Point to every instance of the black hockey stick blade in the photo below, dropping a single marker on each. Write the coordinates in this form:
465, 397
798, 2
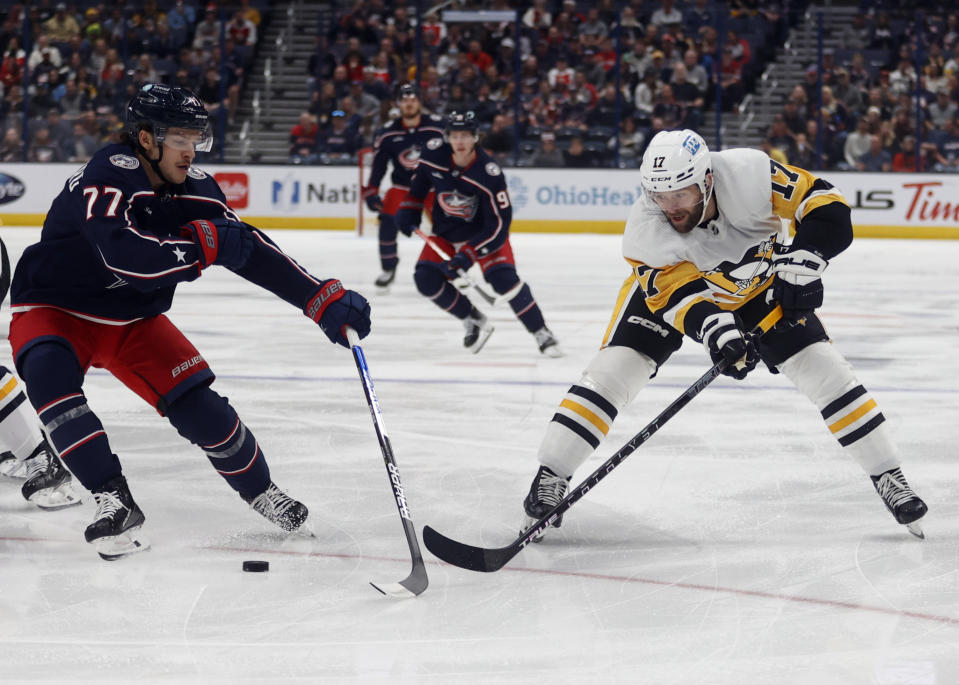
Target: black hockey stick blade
487, 560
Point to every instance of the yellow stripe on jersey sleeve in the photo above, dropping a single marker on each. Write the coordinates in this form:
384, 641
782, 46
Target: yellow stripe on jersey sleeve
796, 192
8, 387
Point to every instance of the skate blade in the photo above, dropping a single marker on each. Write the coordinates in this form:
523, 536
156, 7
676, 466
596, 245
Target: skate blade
120, 546
916, 530
554, 352
53, 499
484, 335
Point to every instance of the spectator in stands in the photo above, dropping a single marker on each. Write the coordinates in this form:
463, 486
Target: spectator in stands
303, 137
882, 36
366, 104
75, 99
947, 147
942, 110
499, 140
688, 96
774, 152
666, 14
583, 93
730, 80
856, 145
645, 94
209, 92
577, 156
850, 96
83, 145
811, 85
547, 155
242, 31
11, 148
537, 16
856, 36
667, 109
905, 159
560, 77
794, 115
859, 74
781, 138
695, 73
61, 27
44, 53
696, 16
180, 19
593, 30
42, 148
903, 78
207, 34
339, 144
478, 57
605, 111
632, 142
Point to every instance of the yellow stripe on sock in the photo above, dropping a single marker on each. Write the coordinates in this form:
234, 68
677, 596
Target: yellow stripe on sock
586, 414
8, 388
853, 417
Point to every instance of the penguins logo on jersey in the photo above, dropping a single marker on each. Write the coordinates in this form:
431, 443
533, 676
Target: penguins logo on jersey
410, 157
125, 161
742, 278
457, 205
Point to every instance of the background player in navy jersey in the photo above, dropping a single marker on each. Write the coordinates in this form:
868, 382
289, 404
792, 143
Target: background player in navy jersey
398, 143
129, 226
471, 217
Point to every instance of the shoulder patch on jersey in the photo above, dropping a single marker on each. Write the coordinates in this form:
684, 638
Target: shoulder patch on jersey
434, 143
195, 173
125, 161
492, 168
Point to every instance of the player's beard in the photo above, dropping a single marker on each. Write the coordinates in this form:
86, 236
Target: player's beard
689, 219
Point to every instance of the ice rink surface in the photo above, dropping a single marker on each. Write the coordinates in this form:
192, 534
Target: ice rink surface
738, 546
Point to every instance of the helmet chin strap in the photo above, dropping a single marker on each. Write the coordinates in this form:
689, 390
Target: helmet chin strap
706, 198
154, 163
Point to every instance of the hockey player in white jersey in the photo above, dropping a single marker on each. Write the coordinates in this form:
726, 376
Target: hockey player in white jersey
707, 262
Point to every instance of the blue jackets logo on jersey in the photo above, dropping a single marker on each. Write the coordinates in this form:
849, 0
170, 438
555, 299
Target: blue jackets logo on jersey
457, 205
409, 158
11, 188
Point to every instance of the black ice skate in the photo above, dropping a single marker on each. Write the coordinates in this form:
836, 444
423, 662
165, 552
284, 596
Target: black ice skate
47, 484
546, 492
900, 500
385, 278
478, 330
115, 526
548, 344
279, 508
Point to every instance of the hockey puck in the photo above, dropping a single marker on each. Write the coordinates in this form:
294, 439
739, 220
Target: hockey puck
256, 566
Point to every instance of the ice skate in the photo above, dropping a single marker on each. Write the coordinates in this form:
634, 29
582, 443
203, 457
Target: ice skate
279, 508
900, 500
546, 491
11, 467
116, 525
385, 279
478, 330
548, 344
47, 484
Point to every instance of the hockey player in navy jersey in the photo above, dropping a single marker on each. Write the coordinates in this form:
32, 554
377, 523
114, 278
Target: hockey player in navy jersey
398, 144
126, 229
471, 218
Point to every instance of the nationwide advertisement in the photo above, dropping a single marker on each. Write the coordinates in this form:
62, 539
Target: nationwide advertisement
544, 200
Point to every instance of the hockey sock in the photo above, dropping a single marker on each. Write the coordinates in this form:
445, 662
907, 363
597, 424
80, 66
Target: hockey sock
587, 411
431, 283
822, 374
505, 281
387, 237
19, 430
54, 381
207, 420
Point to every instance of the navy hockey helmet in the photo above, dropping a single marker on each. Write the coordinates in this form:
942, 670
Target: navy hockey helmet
157, 108
462, 121
407, 90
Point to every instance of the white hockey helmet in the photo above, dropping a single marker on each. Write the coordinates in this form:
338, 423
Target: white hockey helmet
674, 160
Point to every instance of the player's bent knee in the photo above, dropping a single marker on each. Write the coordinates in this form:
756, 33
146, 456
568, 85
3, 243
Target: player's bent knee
428, 278
618, 373
820, 372
503, 278
49, 369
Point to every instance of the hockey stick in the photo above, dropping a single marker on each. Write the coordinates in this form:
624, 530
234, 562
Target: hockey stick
490, 299
415, 583
488, 560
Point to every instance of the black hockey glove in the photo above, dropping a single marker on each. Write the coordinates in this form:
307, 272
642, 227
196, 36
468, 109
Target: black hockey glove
460, 262
409, 215
220, 241
372, 198
798, 284
334, 307
723, 339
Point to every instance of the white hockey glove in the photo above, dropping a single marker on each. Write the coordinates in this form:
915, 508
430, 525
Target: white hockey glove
723, 339
798, 284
